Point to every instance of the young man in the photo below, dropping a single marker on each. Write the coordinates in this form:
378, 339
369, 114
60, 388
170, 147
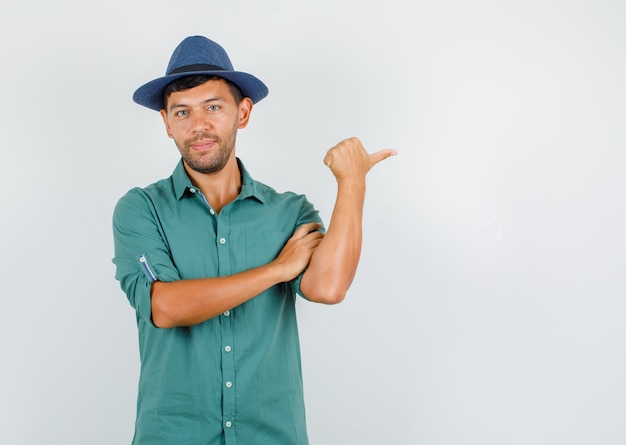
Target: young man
211, 261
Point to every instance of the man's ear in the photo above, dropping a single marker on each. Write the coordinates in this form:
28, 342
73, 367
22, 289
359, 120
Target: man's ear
167, 125
245, 109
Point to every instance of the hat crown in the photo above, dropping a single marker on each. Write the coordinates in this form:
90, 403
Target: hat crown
198, 50
201, 56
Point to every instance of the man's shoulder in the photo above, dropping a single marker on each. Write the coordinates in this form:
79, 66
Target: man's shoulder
265, 192
270, 194
157, 191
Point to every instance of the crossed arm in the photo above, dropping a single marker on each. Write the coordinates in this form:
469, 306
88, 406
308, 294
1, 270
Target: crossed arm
330, 260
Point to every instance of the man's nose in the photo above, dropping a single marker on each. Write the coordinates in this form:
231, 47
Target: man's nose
200, 121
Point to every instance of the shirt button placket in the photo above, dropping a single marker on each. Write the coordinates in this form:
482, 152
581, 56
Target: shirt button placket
228, 376
227, 327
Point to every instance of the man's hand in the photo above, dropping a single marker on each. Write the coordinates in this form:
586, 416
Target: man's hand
349, 160
296, 254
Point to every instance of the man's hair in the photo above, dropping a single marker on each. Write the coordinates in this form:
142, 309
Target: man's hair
188, 82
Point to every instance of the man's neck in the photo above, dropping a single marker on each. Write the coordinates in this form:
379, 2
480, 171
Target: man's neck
218, 188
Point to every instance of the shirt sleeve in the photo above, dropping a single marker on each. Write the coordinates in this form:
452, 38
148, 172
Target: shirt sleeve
141, 254
308, 214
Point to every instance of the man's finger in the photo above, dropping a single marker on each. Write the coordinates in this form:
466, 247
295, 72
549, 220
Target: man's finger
375, 158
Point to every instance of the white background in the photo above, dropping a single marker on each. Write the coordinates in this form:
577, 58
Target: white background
489, 304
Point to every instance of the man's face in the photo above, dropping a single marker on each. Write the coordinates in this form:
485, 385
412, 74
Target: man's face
203, 122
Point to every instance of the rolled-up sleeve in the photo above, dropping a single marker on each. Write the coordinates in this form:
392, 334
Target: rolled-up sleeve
141, 254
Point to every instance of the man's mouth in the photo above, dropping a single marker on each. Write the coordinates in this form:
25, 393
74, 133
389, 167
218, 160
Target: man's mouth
204, 144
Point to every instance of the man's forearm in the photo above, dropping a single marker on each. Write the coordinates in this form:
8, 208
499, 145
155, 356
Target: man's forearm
189, 302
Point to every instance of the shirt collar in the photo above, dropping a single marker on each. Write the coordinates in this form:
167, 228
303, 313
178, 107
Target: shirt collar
249, 187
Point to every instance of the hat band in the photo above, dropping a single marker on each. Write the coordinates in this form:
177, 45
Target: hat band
196, 67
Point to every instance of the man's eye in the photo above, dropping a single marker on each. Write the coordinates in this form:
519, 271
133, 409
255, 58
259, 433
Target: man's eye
214, 107
181, 113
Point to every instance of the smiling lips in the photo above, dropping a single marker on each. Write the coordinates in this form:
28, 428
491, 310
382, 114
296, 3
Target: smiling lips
203, 144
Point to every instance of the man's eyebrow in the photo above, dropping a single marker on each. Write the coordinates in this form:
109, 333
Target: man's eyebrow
204, 102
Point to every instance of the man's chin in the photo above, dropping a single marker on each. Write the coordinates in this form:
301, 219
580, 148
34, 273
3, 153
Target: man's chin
205, 168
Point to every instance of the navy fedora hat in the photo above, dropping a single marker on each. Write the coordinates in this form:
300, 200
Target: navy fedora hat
198, 55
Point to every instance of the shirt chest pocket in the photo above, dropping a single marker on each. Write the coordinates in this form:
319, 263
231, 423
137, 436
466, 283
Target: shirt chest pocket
263, 247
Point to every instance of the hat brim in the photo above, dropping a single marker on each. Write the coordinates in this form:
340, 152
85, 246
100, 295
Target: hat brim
151, 94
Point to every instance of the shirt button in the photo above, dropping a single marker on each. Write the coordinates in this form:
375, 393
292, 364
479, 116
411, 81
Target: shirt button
229, 385
192, 190
222, 240
227, 313
212, 212
227, 349
228, 424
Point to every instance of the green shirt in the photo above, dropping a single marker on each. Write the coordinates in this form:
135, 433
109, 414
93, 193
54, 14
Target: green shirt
235, 378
